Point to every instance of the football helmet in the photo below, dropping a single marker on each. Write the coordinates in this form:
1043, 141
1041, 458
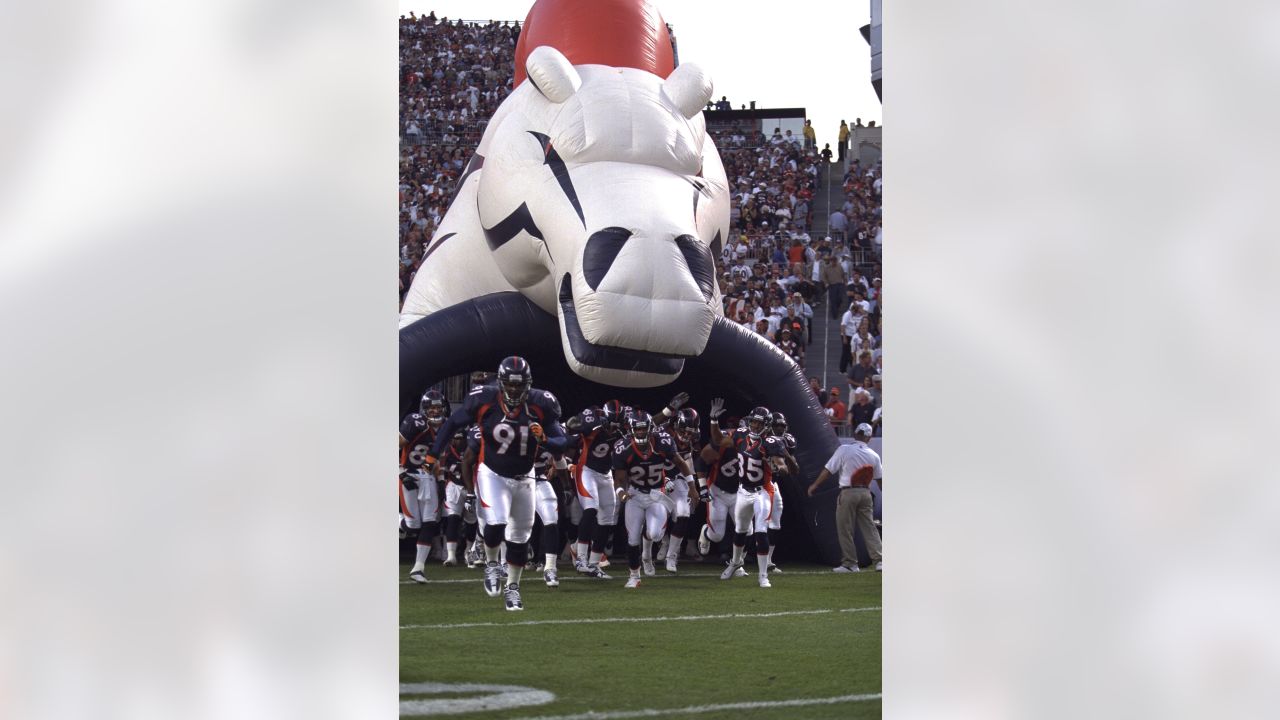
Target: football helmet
459, 441
613, 415
515, 377
757, 420
687, 422
640, 425
779, 424
434, 407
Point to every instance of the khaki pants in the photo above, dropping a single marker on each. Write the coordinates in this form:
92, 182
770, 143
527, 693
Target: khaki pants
853, 506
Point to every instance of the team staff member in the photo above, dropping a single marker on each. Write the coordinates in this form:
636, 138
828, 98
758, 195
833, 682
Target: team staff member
855, 465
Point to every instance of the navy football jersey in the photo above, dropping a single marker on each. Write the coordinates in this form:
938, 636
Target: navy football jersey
788, 441
597, 442
451, 463
754, 469
419, 436
684, 448
646, 470
543, 463
507, 446
724, 471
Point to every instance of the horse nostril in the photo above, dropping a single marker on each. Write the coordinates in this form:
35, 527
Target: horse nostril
601, 250
697, 257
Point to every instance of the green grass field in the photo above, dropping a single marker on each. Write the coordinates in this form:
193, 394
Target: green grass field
821, 641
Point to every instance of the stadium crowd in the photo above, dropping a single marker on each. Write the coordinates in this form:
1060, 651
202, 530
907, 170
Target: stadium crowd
774, 273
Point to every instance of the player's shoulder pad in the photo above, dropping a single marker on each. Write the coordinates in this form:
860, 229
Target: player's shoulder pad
482, 394
545, 400
667, 442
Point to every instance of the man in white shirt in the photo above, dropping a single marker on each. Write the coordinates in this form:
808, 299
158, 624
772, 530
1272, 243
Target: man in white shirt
848, 336
856, 466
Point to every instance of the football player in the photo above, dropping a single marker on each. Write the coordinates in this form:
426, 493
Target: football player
455, 494
470, 468
514, 419
779, 430
679, 492
639, 473
548, 509
600, 430
718, 492
760, 456
419, 491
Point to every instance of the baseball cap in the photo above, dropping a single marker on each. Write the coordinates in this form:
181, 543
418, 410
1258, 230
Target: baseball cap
863, 429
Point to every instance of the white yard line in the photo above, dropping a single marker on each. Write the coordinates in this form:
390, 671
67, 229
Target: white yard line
667, 618
532, 577
696, 709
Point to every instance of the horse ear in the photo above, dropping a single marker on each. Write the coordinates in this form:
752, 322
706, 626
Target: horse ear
552, 73
688, 87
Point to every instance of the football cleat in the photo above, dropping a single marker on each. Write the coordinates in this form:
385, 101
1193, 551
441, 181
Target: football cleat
581, 566
647, 564
879, 566
730, 571
739, 572
704, 542
549, 575
598, 574
844, 569
633, 582
671, 564
604, 561
774, 569
417, 576
513, 597
764, 582
502, 568
449, 562
492, 580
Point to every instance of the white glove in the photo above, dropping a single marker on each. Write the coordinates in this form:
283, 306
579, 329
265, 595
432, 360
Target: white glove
717, 409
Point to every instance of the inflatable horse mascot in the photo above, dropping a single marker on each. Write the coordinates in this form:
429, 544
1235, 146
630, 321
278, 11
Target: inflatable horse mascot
583, 235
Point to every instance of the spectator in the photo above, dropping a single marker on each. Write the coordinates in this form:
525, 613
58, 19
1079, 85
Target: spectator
837, 412
810, 138
826, 153
862, 368
788, 345
837, 224
802, 310
818, 390
842, 140
877, 392
862, 410
848, 338
833, 280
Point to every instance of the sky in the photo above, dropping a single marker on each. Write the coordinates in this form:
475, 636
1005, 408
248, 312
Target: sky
813, 58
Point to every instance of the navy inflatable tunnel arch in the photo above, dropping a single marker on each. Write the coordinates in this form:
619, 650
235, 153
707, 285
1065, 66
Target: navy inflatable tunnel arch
736, 365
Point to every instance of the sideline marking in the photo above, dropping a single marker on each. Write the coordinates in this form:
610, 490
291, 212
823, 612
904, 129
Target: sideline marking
589, 621
695, 709
655, 577
499, 697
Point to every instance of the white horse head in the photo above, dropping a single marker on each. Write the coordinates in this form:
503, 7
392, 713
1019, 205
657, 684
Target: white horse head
604, 201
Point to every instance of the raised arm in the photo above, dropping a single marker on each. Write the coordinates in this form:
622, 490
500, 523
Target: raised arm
718, 438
